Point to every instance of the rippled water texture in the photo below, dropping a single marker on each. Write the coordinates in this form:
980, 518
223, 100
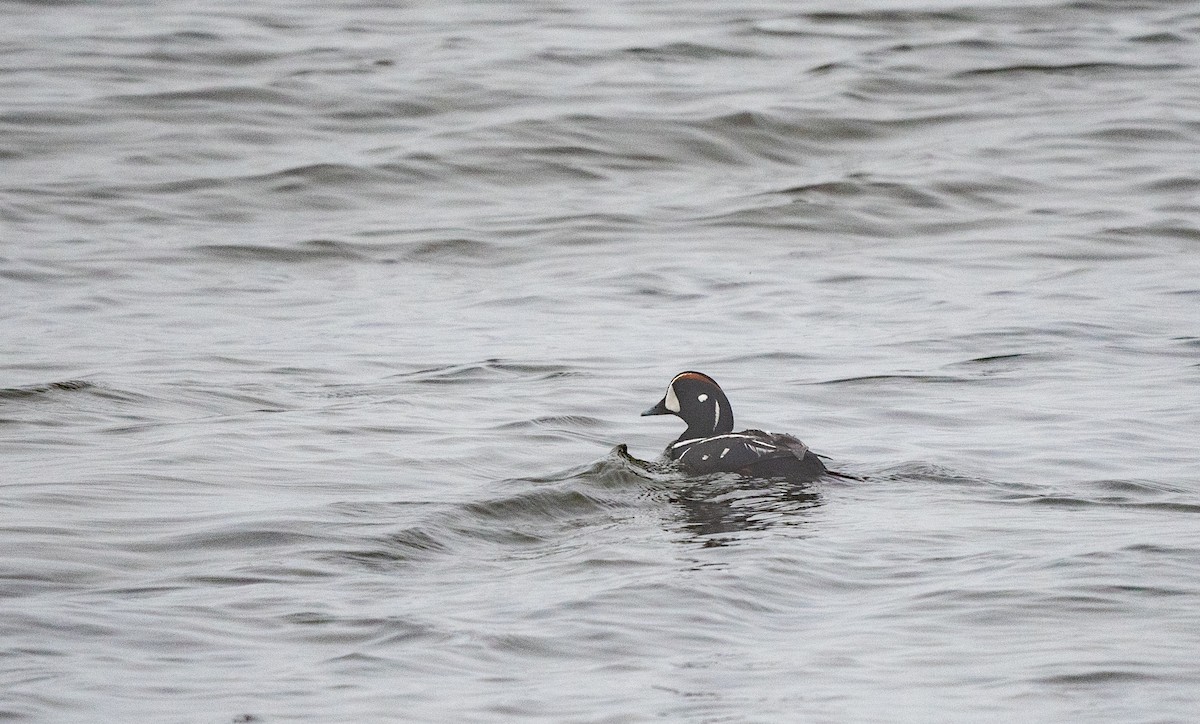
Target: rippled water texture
322, 327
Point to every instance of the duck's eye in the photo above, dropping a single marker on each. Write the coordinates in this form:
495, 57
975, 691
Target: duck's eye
702, 398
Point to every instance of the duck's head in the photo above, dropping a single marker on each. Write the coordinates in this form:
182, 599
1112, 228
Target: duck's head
696, 399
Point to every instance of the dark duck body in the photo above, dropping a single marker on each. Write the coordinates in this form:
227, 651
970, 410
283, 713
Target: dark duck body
709, 445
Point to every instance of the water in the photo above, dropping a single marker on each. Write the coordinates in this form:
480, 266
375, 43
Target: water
322, 323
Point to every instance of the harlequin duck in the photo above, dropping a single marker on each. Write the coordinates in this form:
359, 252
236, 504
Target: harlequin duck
709, 444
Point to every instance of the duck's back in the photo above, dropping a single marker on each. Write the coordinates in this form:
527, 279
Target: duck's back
754, 453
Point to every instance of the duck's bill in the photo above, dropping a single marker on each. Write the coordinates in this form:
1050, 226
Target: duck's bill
659, 409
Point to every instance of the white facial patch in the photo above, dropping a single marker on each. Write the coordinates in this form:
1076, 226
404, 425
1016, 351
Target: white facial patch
672, 401
701, 398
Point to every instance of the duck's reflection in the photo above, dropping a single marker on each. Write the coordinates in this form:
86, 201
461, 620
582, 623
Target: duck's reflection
716, 510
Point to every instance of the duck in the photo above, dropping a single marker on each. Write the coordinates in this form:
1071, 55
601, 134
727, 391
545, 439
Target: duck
709, 444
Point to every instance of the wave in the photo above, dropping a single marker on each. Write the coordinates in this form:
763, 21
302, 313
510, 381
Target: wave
687, 51
538, 510
39, 390
456, 251
1106, 69
489, 369
206, 97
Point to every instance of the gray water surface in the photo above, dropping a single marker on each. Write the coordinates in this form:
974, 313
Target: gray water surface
321, 325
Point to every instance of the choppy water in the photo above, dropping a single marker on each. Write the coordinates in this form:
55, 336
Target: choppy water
320, 325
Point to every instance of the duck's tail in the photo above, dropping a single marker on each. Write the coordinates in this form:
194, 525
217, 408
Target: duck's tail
843, 476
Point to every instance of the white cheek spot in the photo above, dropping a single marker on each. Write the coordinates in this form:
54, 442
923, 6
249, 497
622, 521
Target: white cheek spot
724, 452
701, 398
672, 400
